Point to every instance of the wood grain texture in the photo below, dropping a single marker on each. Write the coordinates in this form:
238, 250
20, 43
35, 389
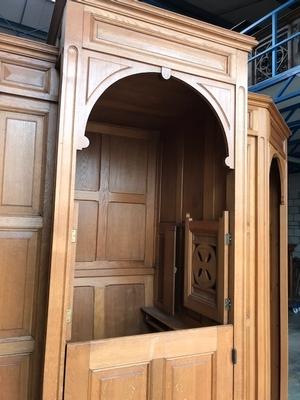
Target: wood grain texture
171, 365
206, 267
28, 118
266, 315
21, 177
14, 374
27, 130
213, 76
18, 275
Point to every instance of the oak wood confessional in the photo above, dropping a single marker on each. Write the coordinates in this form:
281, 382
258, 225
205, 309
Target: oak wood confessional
150, 191
161, 277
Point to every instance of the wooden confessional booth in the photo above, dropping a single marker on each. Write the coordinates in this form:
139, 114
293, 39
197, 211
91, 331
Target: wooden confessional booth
169, 235
149, 208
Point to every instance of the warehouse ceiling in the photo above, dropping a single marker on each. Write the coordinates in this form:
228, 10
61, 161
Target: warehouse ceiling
31, 18
228, 14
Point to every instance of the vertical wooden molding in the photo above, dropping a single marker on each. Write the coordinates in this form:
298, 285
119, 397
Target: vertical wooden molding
61, 246
239, 235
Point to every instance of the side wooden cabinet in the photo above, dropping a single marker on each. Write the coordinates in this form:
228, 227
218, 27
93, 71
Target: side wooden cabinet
28, 117
266, 307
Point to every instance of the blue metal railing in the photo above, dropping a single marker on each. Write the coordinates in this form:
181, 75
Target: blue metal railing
273, 16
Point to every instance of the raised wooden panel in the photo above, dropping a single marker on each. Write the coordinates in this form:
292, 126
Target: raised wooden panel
83, 314
182, 365
115, 179
128, 165
17, 279
87, 231
127, 383
126, 231
14, 371
88, 165
148, 41
190, 378
110, 306
21, 75
18, 171
21, 154
123, 309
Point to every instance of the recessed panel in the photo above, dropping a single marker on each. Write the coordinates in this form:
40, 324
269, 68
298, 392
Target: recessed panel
87, 231
127, 383
189, 378
123, 304
128, 165
17, 277
19, 158
126, 231
88, 165
83, 313
13, 377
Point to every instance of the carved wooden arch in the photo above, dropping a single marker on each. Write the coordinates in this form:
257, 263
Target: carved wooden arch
219, 96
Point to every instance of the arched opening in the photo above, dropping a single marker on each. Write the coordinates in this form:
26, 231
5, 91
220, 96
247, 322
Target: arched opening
157, 154
275, 201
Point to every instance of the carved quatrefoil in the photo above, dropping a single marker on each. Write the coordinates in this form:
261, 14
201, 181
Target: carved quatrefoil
204, 266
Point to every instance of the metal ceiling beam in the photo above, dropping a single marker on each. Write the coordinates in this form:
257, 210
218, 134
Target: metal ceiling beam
294, 160
22, 30
190, 10
56, 21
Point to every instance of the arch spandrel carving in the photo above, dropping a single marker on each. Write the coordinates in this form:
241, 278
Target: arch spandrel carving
99, 71
102, 73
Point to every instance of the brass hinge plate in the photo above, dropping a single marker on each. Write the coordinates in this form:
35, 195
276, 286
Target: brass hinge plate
74, 236
227, 303
69, 316
228, 239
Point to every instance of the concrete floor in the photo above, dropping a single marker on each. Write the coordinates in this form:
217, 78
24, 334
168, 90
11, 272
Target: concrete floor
294, 356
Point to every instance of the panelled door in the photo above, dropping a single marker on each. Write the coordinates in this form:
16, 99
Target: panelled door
194, 364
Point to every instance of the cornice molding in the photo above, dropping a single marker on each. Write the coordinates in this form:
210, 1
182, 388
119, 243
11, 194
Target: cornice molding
30, 48
264, 101
171, 20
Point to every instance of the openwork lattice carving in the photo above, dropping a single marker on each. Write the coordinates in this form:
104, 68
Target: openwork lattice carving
204, 266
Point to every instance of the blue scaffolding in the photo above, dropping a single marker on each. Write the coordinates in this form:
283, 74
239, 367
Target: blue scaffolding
283, 87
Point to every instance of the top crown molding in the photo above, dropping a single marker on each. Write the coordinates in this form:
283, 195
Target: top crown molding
30, 48
171, 20
264, 101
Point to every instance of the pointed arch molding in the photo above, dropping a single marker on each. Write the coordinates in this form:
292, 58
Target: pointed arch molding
103, 73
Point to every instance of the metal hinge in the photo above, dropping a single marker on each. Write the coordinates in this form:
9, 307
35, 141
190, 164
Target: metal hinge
74, 236
228, 238
234, 356
227, 303
69, 316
